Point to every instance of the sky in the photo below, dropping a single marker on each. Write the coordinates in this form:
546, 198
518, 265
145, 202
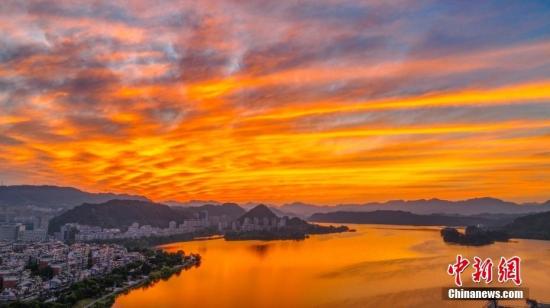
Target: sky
318, 101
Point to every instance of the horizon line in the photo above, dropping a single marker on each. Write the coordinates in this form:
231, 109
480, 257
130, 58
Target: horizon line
279, 204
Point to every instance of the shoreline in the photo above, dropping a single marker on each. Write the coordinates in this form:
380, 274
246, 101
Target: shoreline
111, 297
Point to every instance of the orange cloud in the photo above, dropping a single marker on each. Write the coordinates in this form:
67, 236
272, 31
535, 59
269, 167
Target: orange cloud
213, 100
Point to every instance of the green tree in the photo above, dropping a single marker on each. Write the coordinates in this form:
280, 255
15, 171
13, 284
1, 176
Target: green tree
146, 269
46, 272
90, 260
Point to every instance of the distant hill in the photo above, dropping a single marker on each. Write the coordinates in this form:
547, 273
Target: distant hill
231, 210
424, 206
280, 213
55, 196
534, 226
190, 203
475, 206
216, 208
119, 214
406, 218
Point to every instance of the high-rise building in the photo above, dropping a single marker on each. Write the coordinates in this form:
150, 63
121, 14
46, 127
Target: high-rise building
10, 232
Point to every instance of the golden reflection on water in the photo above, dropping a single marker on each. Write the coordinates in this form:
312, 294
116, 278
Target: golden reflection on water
376, 266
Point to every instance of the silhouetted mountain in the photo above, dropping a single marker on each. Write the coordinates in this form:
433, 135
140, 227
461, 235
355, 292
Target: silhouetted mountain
55, 196
423, 206
534, 226
231, 210
247, 206
406, 218
259, 212
119, 214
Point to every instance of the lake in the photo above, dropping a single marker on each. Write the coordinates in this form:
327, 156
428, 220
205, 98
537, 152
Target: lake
377, 266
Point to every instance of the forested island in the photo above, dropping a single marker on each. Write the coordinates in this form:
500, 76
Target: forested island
260, 223
474, 236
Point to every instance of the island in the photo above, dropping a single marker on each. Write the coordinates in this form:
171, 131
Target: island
260, 223
474, 236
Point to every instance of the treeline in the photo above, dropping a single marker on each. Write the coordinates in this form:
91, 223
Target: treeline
265, 235
297, 229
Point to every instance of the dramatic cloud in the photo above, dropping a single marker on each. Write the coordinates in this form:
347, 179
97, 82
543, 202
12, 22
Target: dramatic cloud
322, 101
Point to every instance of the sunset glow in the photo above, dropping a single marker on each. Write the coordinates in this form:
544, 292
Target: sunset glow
275, 101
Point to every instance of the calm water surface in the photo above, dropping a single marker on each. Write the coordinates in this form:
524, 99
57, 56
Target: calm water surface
392, 266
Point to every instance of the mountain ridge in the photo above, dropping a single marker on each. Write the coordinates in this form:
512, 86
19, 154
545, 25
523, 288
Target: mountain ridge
68, 197
473, 206
55, 196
